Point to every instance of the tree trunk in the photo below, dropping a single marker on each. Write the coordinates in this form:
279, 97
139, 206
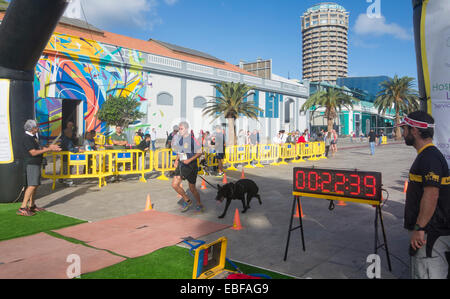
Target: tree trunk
398, 133
231, 140
330, 123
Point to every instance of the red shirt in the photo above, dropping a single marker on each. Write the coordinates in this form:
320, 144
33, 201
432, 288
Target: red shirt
301, 139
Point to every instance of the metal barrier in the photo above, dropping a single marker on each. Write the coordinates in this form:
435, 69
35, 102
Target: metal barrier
67, 165
101, 164
287, 151
131, 162
267, 153
238, 154
164, 161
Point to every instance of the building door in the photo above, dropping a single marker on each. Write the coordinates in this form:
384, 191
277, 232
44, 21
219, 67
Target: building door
72, 110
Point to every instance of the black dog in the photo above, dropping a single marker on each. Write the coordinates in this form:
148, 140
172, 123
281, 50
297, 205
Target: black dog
238, 190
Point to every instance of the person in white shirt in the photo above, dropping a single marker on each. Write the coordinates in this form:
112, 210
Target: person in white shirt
153, 137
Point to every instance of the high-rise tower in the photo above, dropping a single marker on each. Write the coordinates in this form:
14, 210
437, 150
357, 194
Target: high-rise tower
325, 42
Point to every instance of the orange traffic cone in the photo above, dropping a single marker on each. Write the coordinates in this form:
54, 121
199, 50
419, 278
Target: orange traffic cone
203, 185
224, 181
342, 203
406, 186
237, 221
148, 205
299, 212
243, 174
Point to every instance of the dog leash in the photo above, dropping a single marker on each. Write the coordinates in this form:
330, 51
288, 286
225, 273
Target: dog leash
207, 182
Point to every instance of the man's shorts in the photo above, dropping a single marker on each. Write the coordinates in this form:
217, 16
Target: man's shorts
33, 175
220, 156
187, 172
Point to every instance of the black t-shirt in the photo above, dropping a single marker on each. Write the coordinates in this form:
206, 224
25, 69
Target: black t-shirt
372, 137
30, 143
429, 169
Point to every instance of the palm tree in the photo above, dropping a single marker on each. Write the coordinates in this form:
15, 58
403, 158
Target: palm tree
231, 104
397, 94
332, 100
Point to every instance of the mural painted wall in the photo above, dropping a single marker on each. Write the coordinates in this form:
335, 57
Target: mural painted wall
73, 68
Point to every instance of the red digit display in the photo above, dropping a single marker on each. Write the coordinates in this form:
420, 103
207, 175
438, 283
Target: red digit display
370, 183
340, 181
312, 181
355, 183
326, 179
349, 184
297, 185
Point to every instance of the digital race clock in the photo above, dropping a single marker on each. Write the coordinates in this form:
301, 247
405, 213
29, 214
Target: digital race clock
345, 185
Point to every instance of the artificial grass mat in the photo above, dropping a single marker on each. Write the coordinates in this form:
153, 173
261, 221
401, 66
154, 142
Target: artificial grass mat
14, 226
172, 262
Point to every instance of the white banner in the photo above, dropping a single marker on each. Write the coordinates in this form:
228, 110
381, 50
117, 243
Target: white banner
6, 150
435, 37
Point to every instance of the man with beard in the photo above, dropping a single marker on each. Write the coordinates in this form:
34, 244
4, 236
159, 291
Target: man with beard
427, 207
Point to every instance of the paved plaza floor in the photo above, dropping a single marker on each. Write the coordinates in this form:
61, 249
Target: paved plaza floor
338, 242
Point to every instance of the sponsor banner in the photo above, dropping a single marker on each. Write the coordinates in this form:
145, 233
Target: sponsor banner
6, 149
435, 39
441, 112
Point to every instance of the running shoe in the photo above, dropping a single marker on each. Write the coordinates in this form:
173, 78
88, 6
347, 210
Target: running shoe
185, 206
199, 209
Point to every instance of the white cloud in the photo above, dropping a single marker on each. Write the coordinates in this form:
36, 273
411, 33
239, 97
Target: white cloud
170, 2
129, 13
379, 27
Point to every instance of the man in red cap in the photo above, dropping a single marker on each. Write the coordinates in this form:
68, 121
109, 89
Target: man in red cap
427, 207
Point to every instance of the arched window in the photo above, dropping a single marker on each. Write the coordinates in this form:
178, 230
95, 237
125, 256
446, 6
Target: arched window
165, 99
200, 102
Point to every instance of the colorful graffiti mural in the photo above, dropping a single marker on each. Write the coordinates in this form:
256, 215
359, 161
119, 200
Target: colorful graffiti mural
74, 68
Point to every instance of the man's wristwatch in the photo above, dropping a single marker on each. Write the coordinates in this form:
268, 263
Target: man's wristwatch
417, 228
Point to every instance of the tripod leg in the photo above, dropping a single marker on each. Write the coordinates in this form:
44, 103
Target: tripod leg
290, 229
301, 224
385, 240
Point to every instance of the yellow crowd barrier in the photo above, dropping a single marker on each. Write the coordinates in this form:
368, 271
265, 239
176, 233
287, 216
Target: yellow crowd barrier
239, 154
101, 164
164, 160
67, 165
267, 153
127, 162
287, 151
384, 140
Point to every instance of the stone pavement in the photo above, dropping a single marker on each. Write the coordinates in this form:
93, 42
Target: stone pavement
337, 242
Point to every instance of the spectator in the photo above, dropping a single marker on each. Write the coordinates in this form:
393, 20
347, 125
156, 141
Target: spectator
241, 137
380, 137
67, 145
137, 138
219, 146
334, 141
33, 157
153, 136
372, 141
119, 139
328, 138
169, 139
302, 139
145, 144
89, 142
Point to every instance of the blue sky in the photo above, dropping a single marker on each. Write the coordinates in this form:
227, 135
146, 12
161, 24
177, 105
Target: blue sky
247, 29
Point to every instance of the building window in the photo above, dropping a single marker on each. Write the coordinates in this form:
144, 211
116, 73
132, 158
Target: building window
165, 99
199, 102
